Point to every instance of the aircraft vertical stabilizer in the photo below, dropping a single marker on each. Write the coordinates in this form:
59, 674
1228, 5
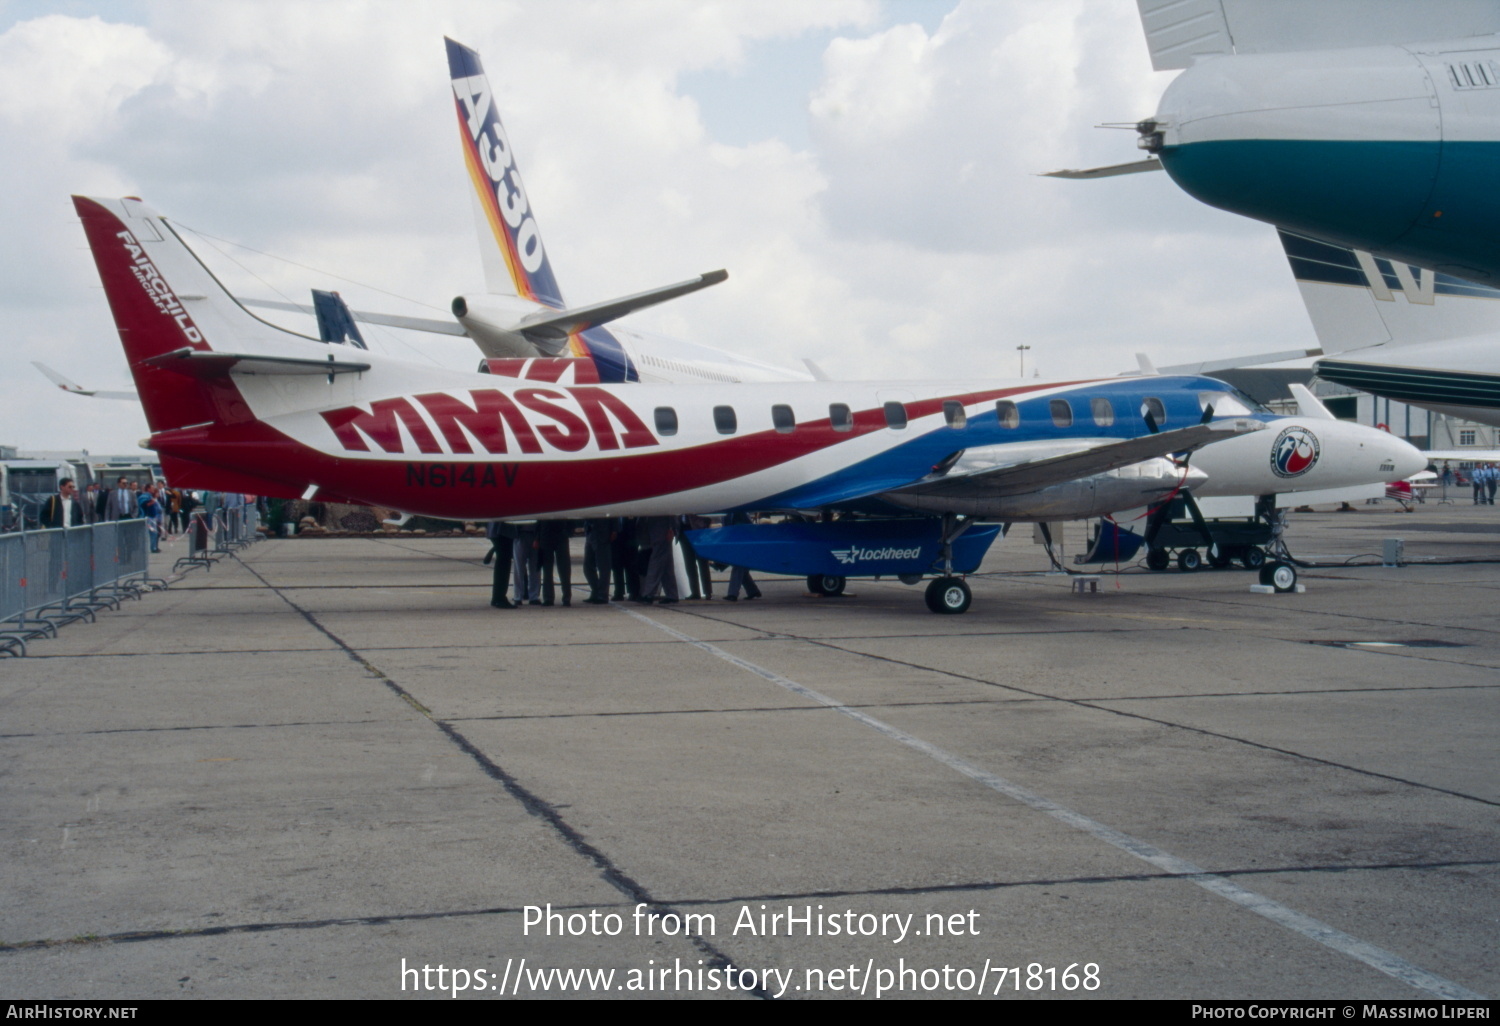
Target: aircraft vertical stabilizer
507, 227
1357, 300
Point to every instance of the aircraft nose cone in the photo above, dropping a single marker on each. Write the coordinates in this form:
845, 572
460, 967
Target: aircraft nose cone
1408, 459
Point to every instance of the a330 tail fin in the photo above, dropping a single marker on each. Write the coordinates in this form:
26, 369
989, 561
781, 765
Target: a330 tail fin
515, 261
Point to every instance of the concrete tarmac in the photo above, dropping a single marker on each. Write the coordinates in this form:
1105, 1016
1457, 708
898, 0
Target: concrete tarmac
297, 773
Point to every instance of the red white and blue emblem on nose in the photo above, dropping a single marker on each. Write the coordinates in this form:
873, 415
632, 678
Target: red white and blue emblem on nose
1294, 453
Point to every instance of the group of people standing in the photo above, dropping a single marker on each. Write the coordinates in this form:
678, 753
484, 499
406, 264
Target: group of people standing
623, 558
164, 509
1484, 478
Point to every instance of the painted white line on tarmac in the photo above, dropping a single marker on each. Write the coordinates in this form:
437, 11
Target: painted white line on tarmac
1377, 958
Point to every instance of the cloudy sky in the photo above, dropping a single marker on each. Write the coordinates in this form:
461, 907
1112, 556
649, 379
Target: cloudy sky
865, 170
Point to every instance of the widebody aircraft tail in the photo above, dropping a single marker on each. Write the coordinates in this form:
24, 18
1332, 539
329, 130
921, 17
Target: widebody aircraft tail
515, 261
1399, 331
510, 244
1356, 300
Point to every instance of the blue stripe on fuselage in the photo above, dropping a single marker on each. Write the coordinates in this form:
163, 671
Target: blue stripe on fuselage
913, 459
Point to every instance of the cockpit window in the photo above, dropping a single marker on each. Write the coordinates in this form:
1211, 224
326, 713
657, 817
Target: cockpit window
1230, 403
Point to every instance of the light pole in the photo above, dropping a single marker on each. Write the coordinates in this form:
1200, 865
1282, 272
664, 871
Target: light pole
1022, 351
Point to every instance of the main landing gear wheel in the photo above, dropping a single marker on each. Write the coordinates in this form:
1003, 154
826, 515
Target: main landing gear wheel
949, 595
1281, 576
826, 585
1253, 558
1188, 560
1157, 559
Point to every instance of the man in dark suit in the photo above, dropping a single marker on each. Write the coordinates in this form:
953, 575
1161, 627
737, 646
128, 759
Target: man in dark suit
120, 503
64, 509
503, 536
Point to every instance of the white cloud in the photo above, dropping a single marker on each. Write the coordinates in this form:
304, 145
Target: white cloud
912, 240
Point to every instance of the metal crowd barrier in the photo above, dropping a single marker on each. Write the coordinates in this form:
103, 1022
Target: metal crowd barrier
222, 531
53, 577
199, 535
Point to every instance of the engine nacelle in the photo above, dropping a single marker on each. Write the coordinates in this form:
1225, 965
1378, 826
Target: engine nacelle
1140, 484
1378, 148
494, 324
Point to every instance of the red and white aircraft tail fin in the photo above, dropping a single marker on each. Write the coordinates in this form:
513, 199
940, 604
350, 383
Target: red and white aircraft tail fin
180, 329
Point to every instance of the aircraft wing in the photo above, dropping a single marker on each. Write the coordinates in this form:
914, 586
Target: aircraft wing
1002, 470
562, 323
1179, 31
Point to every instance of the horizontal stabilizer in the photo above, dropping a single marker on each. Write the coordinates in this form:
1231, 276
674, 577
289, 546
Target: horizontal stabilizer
554, 324
202, 363
1020, 475
70, 386
1108, 171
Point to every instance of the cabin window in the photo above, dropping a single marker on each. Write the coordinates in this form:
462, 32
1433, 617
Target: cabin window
783, 419
1010, 416
953, 413
666, 420
1155, 410
1103, 411
724, 420
840, 417
1062, 413
895, 415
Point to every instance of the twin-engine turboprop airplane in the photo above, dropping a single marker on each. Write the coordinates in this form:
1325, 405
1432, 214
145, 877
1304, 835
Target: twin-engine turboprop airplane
1372, 124
237, 404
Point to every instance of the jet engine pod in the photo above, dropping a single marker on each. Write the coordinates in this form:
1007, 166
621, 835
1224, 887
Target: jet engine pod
849, 548
1349, 145
495, 328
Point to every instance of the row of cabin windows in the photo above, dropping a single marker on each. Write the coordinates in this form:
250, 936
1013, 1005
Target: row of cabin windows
1101, 410
841, 417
